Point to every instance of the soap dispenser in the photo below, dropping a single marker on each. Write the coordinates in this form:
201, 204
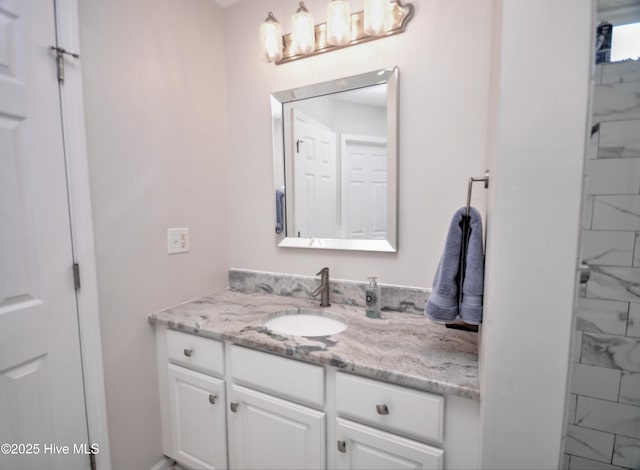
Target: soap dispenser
373, 299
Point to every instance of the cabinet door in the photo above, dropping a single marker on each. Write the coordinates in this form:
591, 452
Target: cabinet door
269, 433
363, 447
197, 409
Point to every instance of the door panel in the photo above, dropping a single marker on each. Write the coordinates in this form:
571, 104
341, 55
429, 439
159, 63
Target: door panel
364, 198
41, 389
270, 433
200, 436
369, 448
315, 178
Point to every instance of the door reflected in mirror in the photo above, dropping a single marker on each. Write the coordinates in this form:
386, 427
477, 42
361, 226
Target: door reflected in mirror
335, 162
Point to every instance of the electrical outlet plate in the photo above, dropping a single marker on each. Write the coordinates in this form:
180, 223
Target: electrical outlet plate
177, 240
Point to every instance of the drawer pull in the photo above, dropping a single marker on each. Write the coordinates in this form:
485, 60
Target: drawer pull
212, 398
382, 409
188, 352
234, 407
342, 447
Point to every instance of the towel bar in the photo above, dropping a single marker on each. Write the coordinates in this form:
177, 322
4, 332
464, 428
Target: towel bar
466, 231
474, 180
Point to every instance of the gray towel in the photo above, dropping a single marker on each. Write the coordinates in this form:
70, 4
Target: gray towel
444, 304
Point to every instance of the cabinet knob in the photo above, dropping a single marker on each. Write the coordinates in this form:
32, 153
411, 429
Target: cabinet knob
382, 409
342, 447
234, 407
188, 352
212, 398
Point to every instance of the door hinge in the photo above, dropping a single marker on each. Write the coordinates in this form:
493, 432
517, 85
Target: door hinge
76, 275
60, 52
92, 461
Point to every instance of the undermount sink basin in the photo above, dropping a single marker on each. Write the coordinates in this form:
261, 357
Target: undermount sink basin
305, 323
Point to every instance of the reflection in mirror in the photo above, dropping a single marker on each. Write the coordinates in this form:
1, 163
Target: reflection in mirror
335, 163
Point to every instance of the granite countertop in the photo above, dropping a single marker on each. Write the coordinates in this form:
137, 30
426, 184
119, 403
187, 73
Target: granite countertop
402, 348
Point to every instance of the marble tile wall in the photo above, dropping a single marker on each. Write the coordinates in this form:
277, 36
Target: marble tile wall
396, 298
603, 409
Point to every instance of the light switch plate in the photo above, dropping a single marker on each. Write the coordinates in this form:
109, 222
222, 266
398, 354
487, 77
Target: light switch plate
177, 240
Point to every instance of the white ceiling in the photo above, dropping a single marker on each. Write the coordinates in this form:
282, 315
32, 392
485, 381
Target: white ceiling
226, 3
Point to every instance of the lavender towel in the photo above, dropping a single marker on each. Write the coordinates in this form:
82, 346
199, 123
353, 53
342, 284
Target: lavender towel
443, 304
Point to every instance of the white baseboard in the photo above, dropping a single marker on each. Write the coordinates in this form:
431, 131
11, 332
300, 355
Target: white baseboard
165, 464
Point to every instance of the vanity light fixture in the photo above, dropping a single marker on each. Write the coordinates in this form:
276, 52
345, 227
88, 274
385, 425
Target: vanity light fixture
380, 18
303, 35
271, 38
338, 23
376, 17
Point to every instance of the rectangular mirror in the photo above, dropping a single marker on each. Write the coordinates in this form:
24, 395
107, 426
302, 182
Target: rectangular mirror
335, 157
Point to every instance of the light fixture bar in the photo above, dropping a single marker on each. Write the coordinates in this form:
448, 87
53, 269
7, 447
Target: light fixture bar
400, 16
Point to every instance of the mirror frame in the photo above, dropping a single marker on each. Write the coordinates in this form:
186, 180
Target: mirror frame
388, 76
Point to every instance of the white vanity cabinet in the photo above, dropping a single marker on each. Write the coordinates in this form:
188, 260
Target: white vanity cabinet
270, 430
228, 406
192, 399
389, 413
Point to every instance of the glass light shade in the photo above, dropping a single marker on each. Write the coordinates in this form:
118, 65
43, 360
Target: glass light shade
338, 22
271, 38
376, 17
303, 37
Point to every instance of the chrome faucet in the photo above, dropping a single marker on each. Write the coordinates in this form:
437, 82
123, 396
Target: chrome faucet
323, 288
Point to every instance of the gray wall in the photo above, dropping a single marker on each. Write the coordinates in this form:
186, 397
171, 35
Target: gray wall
154, 83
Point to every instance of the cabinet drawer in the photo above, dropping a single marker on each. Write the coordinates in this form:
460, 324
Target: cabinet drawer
285, 377
196, 352
418, 414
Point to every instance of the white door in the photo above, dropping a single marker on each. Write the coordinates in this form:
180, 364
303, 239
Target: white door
269, 433
364, 194
366, 448
41, 389
315, 176
199, 431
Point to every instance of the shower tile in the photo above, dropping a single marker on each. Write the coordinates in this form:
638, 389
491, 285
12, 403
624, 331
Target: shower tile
608, 416
616, 213
596, 382
613, 352
619, 139
630, 388
576, 346
633, 328
626, 452
621, 72
594, 141
602, 316
636, 255
608, 248
572, 403
614, 176
597, 74
578, 463
596, 445
621, 284
617, 102
587, 212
